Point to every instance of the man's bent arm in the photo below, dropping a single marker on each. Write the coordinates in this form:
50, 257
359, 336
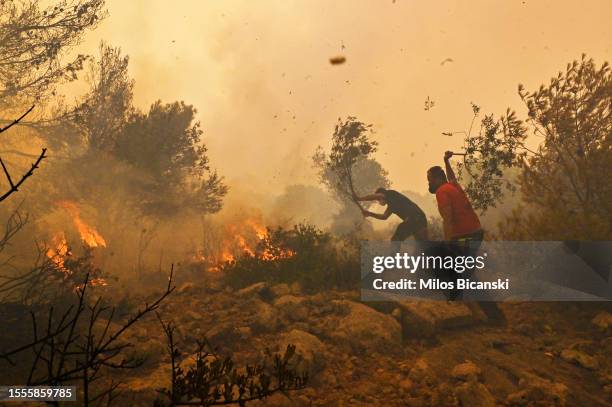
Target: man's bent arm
371, 197
381, 216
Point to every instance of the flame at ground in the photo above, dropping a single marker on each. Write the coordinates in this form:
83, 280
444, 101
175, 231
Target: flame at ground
59, 249
243, 238
89, 235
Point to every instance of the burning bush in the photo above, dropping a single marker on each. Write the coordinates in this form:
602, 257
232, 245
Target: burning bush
302, 254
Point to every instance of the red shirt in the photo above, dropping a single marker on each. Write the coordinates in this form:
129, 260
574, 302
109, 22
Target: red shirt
464, 219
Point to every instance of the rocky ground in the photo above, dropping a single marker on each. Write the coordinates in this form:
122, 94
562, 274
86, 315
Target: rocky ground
386, 354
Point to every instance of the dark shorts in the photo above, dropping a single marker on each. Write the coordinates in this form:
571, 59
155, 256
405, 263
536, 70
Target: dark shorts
409, 227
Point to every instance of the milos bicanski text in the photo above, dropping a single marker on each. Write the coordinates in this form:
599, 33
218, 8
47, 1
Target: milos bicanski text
429, 263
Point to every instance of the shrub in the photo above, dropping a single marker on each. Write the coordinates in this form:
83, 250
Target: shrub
303, 254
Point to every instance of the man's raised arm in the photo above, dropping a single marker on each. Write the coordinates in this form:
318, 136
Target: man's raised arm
450, 174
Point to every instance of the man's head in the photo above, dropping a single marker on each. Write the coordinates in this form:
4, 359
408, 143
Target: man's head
383, 194
435, 177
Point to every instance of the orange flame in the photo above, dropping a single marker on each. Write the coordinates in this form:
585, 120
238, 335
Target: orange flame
89, 235
242, 238
58, 251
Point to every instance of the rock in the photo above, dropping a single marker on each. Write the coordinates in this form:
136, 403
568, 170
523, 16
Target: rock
293, 307
281, 289
406, 385
184, 288
426, 318
421, 372
253, 290
296, 288
275, 400
190, 315
603, 321
244, 331
363, 327
580, 358
222, 334
536, 391
308, 348
474, 394
264, 317
161, 377
466, 371
153, 352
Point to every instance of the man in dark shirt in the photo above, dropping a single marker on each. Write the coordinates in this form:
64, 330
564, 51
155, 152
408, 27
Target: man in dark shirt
414, 219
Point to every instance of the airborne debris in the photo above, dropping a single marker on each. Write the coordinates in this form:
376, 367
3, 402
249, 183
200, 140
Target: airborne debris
449, 60
429, 104
337, 60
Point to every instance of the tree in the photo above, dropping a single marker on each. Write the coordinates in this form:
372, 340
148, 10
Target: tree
565, 191
165, 146
105, 109
349, 168
34, 41
565, 181
490, 156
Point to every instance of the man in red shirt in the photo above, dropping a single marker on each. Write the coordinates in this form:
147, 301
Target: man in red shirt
461, 225
460, 220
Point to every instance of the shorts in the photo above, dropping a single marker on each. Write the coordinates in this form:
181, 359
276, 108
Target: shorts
409, 227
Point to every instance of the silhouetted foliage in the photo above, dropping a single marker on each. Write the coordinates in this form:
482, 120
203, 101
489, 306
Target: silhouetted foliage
79, 341
34, 40
14, 184
214, 380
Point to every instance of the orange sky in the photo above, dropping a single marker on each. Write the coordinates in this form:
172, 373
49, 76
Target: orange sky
241, 63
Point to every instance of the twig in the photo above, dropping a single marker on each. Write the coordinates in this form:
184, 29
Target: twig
15, 187
16, 120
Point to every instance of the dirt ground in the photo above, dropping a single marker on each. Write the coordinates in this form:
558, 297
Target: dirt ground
544, 355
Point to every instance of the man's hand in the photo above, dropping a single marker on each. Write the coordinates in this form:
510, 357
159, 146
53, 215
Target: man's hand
448, 155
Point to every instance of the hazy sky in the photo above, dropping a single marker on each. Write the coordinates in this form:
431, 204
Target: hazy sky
259, 73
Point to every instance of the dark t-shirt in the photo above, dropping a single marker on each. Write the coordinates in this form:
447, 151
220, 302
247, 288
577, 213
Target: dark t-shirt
403, 207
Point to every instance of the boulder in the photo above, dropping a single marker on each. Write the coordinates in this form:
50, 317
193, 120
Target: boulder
308, 348
281, 289
264, 317
296, 288
426, 318
466, 371
292, 307
257, 289
603, 321
362, 327
538, 391
580, 358
474, 394
421, 372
